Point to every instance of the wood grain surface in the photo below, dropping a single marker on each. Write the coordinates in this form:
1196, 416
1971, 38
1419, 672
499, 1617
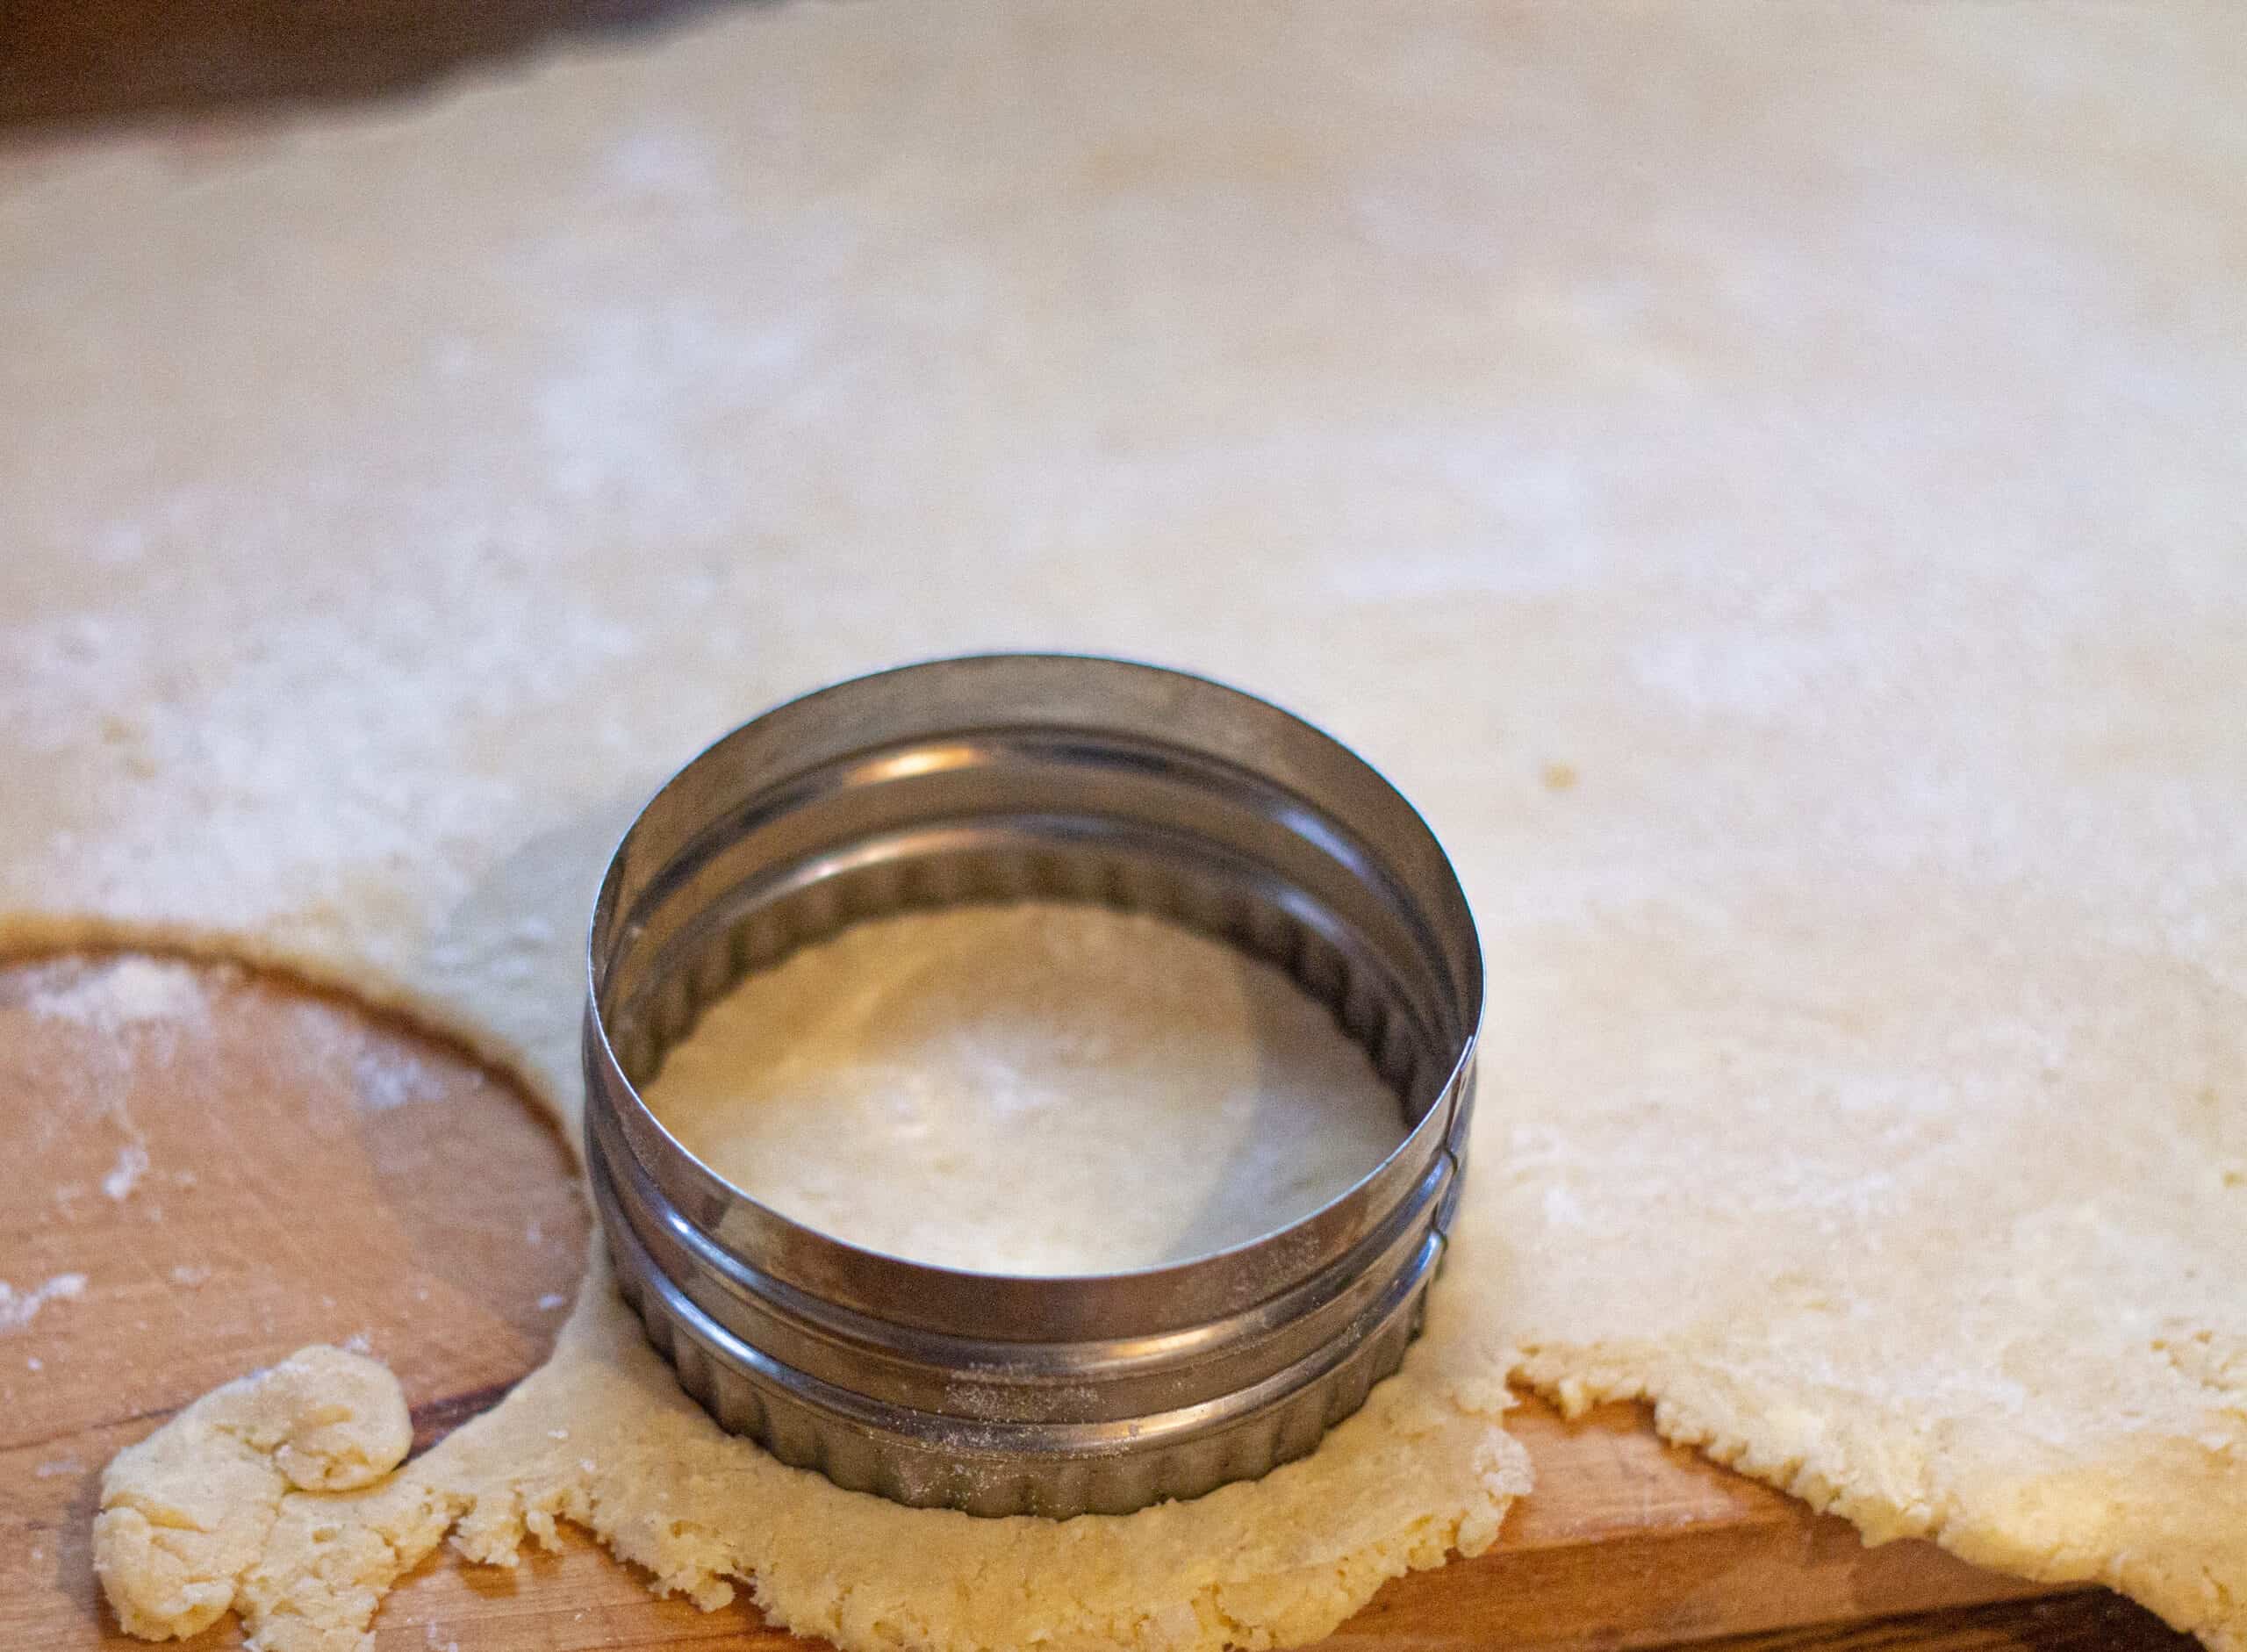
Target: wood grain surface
236, 1165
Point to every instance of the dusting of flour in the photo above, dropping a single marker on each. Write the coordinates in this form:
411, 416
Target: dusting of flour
1032, 1089
126, 992
19, 1308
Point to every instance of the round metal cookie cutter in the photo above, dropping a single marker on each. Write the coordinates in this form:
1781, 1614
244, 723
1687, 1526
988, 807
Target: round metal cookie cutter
1005, 778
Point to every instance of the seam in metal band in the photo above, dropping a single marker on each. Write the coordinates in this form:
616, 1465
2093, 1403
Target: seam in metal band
1006, 778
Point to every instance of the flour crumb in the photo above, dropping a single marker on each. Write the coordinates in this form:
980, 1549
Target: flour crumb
54, 1467
533, 1234
386, 1081
357, 1343
19, 1308
1561, 1207
34, 1363
550, 1301
190, 1273
130, 992
131, 1165
558, 1434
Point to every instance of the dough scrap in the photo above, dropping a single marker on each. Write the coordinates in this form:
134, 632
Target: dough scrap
1811, 432
200, 1510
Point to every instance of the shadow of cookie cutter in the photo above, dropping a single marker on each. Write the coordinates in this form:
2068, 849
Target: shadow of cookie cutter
1007, 778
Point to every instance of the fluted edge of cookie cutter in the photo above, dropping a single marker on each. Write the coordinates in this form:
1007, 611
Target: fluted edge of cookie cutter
1000, 777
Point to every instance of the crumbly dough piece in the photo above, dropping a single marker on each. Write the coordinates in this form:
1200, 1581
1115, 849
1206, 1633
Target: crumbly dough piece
191, 1511
1764, 480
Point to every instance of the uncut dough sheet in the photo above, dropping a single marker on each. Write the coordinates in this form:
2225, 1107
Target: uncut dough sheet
1768, 482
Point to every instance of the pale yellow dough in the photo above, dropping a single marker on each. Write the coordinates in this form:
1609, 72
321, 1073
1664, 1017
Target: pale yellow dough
1040, 1089
190, 1515
1765, 479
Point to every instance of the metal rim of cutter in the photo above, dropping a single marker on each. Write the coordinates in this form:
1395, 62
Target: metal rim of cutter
1000, 778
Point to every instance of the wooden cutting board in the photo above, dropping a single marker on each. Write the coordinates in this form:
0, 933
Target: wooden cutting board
209, 1167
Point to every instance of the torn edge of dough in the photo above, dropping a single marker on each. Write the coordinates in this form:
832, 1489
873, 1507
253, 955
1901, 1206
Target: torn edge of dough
280, 1495
2060, 1527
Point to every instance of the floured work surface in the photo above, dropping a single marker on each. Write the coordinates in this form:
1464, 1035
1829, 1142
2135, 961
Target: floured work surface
1766, 482
210, 1170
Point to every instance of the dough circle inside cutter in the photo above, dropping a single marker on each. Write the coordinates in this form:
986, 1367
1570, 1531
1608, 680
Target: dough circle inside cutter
1034, 1088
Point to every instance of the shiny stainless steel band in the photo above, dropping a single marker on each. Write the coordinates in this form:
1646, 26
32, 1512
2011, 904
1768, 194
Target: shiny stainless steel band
1000, 777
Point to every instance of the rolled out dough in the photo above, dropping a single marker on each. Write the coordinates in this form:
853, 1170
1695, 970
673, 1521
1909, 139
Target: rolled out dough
1766, 480
1039, 1088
